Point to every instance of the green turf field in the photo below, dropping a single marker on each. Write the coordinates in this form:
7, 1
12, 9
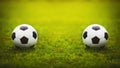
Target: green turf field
59, 26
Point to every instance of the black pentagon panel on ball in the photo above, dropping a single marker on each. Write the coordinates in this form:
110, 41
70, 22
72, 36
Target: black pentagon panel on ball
34, 35
23, 28
95, 40
96, 28
106, 36
85, 35
24, 40
13, 36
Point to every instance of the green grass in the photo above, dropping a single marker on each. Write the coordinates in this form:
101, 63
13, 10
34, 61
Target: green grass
59, 26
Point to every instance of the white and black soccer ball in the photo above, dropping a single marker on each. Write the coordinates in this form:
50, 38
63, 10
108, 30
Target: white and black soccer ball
24, 36
95, 36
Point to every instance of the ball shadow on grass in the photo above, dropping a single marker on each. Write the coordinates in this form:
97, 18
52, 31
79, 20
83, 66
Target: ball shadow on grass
97, 49
18, 49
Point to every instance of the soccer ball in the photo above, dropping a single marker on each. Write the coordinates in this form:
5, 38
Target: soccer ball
24, 36
95, 36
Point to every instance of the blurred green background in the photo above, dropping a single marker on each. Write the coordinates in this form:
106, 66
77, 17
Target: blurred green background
59, 24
